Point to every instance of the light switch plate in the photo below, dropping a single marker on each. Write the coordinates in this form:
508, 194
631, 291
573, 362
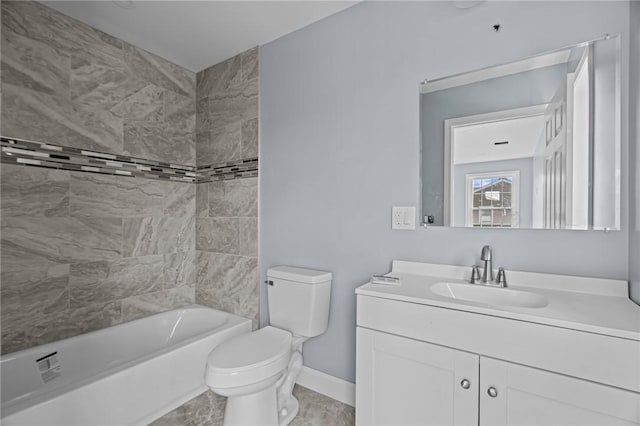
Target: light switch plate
403, 218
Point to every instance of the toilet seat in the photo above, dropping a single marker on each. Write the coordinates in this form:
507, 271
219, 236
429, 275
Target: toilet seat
248, 358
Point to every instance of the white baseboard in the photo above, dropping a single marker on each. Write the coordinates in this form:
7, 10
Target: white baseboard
328, 385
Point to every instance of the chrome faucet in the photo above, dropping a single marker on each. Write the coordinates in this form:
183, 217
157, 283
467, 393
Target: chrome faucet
487, 272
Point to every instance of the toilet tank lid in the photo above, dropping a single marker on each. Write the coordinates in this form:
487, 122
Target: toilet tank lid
303, 275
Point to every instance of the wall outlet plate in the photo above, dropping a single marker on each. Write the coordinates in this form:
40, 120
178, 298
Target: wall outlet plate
403, 218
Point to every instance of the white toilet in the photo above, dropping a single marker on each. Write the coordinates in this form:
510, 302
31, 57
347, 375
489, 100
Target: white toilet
257, 370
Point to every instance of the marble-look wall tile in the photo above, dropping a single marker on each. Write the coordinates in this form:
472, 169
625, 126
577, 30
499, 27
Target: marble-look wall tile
217, 204
162, 143
202, 200
98, 195
31, 115
203, 122
34, 20
32, 329
159, 71
180, 269
249, 237
204, 150
31, 191
226, 219
220, 77
35, 328
23, 65
66, 236
225, 144
179, 199
43, 289
229, 283
234, 105
145, 236
102, 83
250, 63
249, 138
220, 235
94, 316
160, 301
60, 240
180, 112
141, 236
111, 280
66, 82
146, 105
223, 270
234, 198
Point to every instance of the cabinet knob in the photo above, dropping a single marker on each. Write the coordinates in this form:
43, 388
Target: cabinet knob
466, 384
493, 392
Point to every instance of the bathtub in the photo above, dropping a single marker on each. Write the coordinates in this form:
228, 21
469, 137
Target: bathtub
129, 374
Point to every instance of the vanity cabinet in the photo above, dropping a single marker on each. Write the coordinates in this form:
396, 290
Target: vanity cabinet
531, 396
403, 381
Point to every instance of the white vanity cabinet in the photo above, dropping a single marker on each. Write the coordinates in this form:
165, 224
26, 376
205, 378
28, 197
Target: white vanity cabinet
402, 381
529, 396
422, 360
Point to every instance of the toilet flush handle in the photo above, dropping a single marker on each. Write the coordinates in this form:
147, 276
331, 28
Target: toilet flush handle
269, 282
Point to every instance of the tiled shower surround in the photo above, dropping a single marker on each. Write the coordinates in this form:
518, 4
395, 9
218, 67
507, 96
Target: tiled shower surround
83, 251
227, 211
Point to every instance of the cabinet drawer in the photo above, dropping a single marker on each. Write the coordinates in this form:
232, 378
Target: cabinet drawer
603, 359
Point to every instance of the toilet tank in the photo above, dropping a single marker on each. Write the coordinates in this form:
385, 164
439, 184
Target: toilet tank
299, 299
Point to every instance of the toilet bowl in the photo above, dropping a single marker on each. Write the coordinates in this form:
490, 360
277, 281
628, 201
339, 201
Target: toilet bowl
257, 371
250, 364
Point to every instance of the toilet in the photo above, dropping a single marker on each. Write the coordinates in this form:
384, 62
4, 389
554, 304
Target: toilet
257, 371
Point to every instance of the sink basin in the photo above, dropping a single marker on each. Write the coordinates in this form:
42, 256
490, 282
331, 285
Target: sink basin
489, 295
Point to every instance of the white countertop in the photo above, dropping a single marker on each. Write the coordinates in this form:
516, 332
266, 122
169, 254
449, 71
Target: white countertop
586, 304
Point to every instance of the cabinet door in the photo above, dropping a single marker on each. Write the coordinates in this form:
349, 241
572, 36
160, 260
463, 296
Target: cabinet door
400, 381
528, 396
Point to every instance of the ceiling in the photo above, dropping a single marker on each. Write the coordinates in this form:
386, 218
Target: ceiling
198, 34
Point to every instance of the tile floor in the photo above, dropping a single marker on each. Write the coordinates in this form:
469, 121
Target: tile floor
315, 410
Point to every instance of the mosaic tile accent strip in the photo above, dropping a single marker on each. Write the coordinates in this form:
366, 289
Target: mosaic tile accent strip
226, 171
17, 151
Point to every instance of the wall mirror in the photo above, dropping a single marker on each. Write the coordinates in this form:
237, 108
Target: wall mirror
529, 144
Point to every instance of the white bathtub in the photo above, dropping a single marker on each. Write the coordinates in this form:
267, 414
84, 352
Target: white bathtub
129, 374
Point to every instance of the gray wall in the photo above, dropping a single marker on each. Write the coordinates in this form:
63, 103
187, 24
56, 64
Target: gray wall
83, 251
520, 90
340, 146
524, 165
634, 138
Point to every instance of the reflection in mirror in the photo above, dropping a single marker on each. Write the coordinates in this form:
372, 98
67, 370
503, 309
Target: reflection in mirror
529, 144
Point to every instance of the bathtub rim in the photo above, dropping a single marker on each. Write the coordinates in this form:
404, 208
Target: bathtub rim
23, 402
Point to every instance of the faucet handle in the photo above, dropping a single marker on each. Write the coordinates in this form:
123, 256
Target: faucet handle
501, 279
475, 274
